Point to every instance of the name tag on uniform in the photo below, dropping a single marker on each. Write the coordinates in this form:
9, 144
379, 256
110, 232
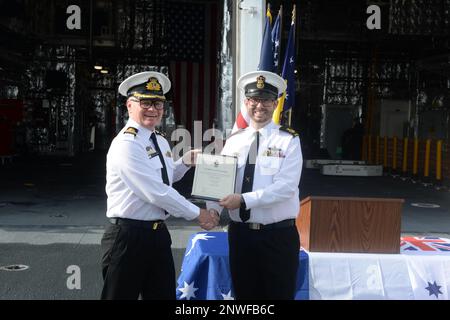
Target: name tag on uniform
151, 152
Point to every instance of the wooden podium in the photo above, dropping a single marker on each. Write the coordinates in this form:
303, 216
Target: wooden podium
363, 225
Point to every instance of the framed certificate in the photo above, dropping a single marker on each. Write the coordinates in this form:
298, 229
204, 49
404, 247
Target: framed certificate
214, 177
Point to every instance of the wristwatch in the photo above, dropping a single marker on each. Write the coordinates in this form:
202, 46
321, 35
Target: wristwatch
243, 204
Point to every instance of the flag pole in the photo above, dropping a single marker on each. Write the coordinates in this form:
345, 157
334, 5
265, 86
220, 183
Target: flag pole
280, 12
295, 23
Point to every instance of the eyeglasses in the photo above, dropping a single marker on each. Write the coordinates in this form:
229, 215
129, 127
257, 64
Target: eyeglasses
255, 101
146, 104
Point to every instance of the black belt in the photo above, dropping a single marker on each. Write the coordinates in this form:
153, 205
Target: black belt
260, 226
153, 225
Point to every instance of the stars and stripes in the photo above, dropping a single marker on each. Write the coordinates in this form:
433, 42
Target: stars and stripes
192, 30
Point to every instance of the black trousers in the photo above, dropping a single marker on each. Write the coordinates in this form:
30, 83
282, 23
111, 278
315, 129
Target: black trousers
137, 262
263, 263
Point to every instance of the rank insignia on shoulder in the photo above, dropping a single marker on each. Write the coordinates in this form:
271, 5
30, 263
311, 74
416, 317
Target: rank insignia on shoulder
289, 130
132, 131
160, 133
169, 154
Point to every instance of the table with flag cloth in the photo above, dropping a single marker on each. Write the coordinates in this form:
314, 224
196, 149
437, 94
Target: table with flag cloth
421, 271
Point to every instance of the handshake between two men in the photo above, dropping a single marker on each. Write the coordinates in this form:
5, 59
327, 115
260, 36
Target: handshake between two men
209, 219
230, 202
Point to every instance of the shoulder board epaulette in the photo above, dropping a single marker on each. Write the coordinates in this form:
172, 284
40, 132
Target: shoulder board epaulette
160, 133
236, 132
289, 130
132, 131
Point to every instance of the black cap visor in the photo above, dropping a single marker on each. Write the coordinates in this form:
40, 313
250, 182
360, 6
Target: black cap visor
261, 93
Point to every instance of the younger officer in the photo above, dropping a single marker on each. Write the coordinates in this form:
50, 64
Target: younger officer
263, 239
137, 257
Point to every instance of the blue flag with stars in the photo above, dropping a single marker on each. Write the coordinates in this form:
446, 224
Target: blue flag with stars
287, 99
266, 55
289, 68
276, 39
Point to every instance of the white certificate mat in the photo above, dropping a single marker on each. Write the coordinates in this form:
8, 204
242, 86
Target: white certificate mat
214, 177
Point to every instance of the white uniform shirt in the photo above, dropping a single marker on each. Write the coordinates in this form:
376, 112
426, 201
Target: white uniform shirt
275, 195
134, 184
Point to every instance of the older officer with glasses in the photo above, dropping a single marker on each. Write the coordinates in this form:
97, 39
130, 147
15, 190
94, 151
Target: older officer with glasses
263, 239
137, 258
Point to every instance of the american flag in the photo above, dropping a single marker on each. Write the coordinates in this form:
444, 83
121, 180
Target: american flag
424, 244
192, 34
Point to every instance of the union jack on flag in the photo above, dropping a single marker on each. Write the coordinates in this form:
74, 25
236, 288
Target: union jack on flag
424, 244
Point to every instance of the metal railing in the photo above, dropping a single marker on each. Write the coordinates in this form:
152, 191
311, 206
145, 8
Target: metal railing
421, 160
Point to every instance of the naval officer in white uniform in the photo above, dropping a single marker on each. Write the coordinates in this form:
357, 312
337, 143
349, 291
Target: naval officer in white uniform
263, 239
137, 258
